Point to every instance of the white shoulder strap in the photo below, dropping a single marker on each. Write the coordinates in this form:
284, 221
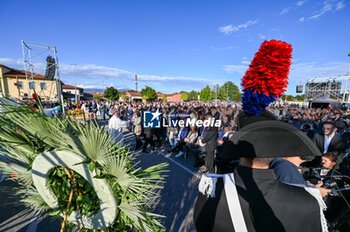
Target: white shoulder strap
233, 204
207, 186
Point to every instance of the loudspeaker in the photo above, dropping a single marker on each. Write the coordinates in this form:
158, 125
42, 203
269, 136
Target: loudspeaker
299, 88
50, 68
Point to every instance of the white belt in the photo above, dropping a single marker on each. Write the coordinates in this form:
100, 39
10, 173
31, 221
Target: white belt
207, 186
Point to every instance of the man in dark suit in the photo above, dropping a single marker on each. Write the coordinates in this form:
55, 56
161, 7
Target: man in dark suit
210, 141
263, 203
148, 139
307, 130
329, 141
341, 126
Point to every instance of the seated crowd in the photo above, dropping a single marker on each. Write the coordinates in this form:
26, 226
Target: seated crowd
328, 128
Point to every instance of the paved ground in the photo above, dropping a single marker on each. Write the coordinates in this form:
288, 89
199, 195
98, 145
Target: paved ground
176, 202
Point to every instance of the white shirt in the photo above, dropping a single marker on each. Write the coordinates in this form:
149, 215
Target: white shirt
327, 141
115, 128
85, 108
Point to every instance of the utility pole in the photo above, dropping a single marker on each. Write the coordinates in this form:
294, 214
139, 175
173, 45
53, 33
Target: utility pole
346, 82
75, 85
227, 92
210, 94
136, 82
216, 94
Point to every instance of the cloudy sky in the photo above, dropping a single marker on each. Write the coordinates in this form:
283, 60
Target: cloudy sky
175, 45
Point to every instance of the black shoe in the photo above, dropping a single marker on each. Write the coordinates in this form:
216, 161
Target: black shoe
144, 151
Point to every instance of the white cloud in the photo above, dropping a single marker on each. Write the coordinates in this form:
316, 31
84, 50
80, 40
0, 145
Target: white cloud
327, 7
9, 61
340, 5
245, 62
97, 76
305, 71
262, 36
223, 48
245, 58
299, 71
300, 3
240, 69
231, 28
285, 10
275, 29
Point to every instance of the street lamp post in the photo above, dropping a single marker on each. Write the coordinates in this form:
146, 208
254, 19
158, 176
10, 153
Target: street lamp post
347, 74
227, 92
210, 94
75, 85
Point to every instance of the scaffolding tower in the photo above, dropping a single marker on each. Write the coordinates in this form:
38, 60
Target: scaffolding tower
33, 55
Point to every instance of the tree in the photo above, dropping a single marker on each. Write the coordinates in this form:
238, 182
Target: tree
300, 97
164, 98
287, 97
216, 92
231, 90
184, 96
222, 93
238, 97
193, 95
207, 94
148, 93
123, 96
111, 94
97, 96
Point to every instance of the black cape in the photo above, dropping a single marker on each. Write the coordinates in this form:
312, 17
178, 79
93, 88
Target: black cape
267, 205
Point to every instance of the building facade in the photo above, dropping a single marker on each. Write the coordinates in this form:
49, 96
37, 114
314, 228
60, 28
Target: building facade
13, 84
73, 90
133, 96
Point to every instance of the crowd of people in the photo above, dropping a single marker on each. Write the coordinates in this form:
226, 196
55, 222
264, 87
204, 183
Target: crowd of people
327, 128
205, 142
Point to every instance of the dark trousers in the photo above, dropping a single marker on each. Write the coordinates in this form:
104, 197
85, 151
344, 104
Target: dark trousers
209, 158
180, 146
148, 141
157, 132
138, 141
199, 154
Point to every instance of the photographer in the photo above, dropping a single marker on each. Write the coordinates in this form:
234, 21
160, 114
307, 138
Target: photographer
337, 203
287, 171
329, 160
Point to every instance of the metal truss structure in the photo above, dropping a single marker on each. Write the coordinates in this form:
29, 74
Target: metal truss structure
330, 87
315, 88
33, 56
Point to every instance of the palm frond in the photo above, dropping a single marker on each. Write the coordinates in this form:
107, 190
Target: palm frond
32, 199
25, 133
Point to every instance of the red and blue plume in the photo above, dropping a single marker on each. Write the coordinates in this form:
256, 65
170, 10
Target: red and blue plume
267, 76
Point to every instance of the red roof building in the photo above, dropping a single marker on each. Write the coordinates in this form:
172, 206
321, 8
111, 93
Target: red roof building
174, 97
